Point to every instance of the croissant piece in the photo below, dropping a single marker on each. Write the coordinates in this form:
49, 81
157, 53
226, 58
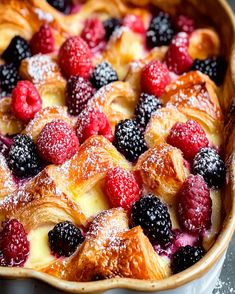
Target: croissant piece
162, 171
9, 124
7, 183
160, 125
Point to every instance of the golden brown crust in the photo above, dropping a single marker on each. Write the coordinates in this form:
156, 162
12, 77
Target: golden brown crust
162, 171
7, 184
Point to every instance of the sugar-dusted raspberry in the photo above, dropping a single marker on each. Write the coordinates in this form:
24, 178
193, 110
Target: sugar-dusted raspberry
43, 41
17, 50
93, 32
26, 101
185, 257
14, 246
194, 204
64, 239
57, 142
189, 137
178, 59
154, 78
121, 188
134, 22
93, 122
78, 92
184, 24
75, 57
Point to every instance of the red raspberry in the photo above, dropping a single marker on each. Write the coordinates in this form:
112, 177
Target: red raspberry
189, 137
78, 92
154, 78
194, 205
92, 123
178, 59
26, 100
121, 188
14, 245
57, 142
43, 41
184, 24
134, 22
75, 57
93, 32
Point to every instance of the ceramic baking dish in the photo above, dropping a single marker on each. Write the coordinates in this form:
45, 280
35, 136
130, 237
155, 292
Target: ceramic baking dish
201, 277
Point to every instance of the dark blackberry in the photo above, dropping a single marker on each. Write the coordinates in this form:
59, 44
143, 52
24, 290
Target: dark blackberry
214, 67
145, 108
110, 25
152, 215
129, 140
78, 92
210, 166
103, 75
160, 31
63, 6
64, 239
23, 159
8, 77
185, 257
17, 50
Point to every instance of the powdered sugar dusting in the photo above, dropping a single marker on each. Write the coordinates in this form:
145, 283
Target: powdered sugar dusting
42, 15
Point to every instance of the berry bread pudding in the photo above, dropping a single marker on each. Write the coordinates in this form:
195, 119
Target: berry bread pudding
111, 138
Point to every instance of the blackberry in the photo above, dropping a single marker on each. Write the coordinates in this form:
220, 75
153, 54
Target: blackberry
78, 92
64, 239
17, 50
210, 166
110, 26
129, 140
152, 215
8, 77
160, 31
185, 257
214, 67
103, 75
23, 159
145, 108
63, 6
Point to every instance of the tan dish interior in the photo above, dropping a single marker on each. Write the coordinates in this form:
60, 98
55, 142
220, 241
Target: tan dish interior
222, 18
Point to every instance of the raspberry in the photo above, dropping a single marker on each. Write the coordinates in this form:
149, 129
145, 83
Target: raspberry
57, 142
78, 92
110, 25
121, 188
23, 159
93, 122
93, 32
154, 78
184, 24
64, 239
178, 59
189, 137
160, 31
210, 166
214, 67
103, 75
61, 5
147, 105
8, 77
129, 140
14, 245
185, 257
26, 101
134, 22
194, 205
43, 41
17, 50
152, 215
75, 57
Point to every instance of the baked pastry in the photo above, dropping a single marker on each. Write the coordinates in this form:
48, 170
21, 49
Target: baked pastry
111, 136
